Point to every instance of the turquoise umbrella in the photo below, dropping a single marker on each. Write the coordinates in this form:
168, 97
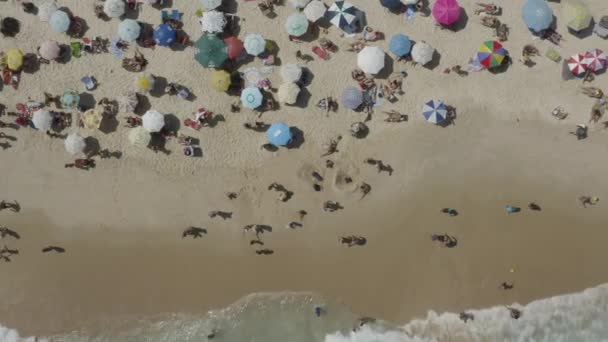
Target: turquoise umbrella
296, 24
59, 21
70, 99
279, 134
129, 30
251, 97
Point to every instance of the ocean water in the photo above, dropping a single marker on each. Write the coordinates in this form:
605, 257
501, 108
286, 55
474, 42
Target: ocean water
290, 317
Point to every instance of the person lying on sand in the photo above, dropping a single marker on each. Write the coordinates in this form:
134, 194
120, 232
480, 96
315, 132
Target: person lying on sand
395, 116
331, 206
450, 211
490, 9
12, 206
195, 232
506, 286
257, 126
265, 251
588, 200
83, 164
223, 214
592, 92
231, 195
293, 225
331, 146
6, 232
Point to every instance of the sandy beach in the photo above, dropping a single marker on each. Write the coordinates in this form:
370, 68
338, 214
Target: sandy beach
121, 222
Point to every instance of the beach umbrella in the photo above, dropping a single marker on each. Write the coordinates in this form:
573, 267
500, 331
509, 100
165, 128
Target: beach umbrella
14, 59
409, 2
576, 14
213, 21
128, 102
91, 119
577, 64
210, 51
288, 93
210, 4
595, 60
153, 121
446, 12
352, 97
291, 72
371, 59
164, 35
435, 111
144, 83
138, 136
49, 49
537, 15
253, 76
251, 97
400, 45
220, 80
341, 14
46, 9
422, 53
296, 24
391, 4
299, 4
315, 10
491, 54
59, 21
235, 47
114, 8
255, 44
74, 143
70, 99
279, 134
42, 119
129, 30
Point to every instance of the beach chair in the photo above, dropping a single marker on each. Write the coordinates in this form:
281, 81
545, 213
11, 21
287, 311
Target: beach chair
76, 49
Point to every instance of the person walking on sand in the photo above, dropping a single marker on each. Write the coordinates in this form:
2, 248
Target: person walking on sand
14, 206
365, 189
302, 213
588, 200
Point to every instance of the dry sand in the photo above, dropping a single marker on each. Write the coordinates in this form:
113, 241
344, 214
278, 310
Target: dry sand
121, 222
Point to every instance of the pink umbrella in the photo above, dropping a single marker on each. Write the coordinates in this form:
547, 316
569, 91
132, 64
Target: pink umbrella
577, 64
49, 50
596, 60
446, 12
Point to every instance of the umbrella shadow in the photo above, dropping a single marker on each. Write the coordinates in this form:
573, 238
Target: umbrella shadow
461, 23
297, 138
143, 104
181, 36
163, 4
584, 33
30, 63
311, 35
159, 141
503, 67
434, 62
92, 146
306, 79
233, 25
216, 120
303, 98
160, 83
172, 123
109, 124
87, 101
387, 71
65, 54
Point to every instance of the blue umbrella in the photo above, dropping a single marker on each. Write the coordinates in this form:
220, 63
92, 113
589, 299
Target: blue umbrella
279, 134
400, 45
251, 97
391, 4
435, 111
352, 97
128, 30
537, 15
164, 35
60, 21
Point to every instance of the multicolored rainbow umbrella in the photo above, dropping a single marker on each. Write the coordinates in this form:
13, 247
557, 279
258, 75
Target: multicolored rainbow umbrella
491, 54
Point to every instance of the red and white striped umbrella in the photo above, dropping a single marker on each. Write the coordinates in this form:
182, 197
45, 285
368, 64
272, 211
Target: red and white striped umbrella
596, 60
577, 64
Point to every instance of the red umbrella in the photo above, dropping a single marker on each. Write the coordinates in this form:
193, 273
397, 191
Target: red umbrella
577, 64
235, 47
595, 60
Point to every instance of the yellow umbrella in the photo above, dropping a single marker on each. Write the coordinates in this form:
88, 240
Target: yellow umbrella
145, 83
14, 59
138, 136
220, 80
91, 119
576, 14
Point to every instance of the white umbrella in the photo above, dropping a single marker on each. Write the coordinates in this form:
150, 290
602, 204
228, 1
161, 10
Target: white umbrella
409, 2
299, 3
315, 10
46, 9
75, 143
210, 4
255, 44
114, 8
288, 93
153, 121
42, 119
213, 21
291, 72
422, 53
371, 59
128, 102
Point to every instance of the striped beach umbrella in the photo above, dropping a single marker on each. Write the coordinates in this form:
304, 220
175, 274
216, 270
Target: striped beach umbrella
577, 64
596, 60
491, 54
251, 97
435, 111
576, 14
341, 14
537, 15
400, 45
279, 134
352, 97
255, 44
296, 24
446, 12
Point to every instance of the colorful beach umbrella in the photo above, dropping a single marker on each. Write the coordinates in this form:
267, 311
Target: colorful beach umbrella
70, 99
59, 21
91, 119
435, 111
576, 14
422, 53
251, 97
352, 97
291, 72
235, 47
371, 60
114, 8
537, 15
446, 12
341, 14
210, 4
288, 93
220, 80
74, 143
49, 50
279, 134
391, 4
144, 82
213, 21
400, 45
596, 60
14, 59
577, 64
491, 54
255, 44
153, 121
210, 51
296, 24
315, 10
129, 30
164, 35
138, 136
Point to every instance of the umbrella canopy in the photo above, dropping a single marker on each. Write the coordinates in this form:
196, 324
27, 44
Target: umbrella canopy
400, 45
128, 102
210, 4
371, 59
279, 134
352, 97
42, 119
596, 60
291, 72
577, 64
315, 10
138, 136
14, 59
114, 8
576, 14
74, 143
537, 15
296, 24
59, 21
288, 93
446, 12
251, 97
435, 111
129, 30
299, 4
252, 76
153, 121
422, 53
91, 119
220, 80
391, 4
144, 83
70, 99
491, 54
409, 2
255, 44
341, 14
49, 49
213, 21
210, 51
235, 47
46, 9
164, 35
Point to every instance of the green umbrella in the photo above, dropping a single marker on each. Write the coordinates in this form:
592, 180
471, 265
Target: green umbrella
296, 24
211, 51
